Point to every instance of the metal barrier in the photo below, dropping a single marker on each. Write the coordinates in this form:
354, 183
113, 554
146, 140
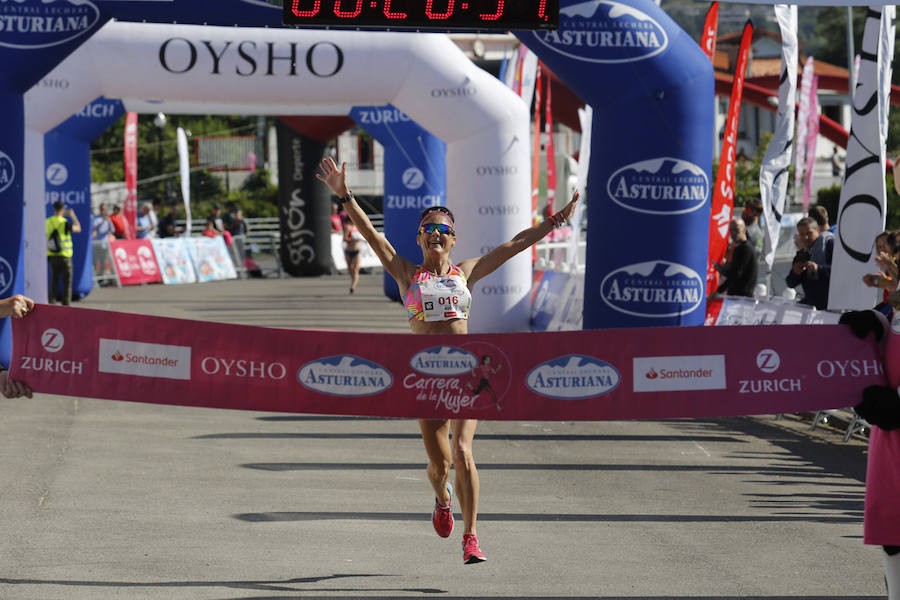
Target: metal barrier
104, 265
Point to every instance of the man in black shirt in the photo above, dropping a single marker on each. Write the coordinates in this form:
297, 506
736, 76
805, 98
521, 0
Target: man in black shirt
740, 272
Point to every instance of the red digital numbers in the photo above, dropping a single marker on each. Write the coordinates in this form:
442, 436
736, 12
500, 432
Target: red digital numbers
392, 15
347, 14
496, 14
542, 11
431, 14
295, 8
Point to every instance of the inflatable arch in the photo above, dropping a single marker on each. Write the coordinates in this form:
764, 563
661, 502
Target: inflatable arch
484, 124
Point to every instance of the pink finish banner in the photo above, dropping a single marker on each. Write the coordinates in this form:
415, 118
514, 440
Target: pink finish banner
135, 261
577, 375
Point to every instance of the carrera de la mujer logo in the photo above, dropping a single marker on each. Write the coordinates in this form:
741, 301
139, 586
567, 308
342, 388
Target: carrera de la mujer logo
602, 31
32, 24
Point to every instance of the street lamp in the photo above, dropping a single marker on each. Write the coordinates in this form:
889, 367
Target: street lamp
160, 121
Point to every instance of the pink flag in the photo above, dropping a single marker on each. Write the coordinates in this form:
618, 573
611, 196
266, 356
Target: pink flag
129, 210
551, 153
812, 135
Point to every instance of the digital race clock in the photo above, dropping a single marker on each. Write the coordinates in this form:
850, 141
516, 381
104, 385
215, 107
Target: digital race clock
443, 15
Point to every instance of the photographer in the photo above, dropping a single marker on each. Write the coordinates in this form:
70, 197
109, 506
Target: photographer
812, 263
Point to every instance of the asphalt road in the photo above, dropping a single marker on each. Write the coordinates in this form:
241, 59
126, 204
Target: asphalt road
108, 500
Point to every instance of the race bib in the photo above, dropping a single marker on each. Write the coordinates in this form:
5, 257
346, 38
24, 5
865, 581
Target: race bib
445, 298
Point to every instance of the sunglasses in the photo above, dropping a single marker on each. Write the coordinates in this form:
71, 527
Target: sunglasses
442, 228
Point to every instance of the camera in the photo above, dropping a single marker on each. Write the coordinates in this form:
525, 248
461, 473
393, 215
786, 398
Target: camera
803, 255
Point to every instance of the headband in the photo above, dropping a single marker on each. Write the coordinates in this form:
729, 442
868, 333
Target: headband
435, 209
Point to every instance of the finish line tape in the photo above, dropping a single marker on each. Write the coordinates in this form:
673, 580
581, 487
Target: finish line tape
652, 373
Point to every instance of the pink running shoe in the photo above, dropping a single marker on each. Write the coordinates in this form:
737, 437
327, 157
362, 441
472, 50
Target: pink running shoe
472, 554
442, 516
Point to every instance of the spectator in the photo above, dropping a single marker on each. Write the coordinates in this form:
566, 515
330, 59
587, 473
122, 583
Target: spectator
238, 223
337, 225
229, 216
167, 223
216, 218
144, 223
120, 228
752, 211
836, 166
819, 214
154, 218
16, 307
59, 229
741, 271
212, 232
812, 264
886, 255
101, 226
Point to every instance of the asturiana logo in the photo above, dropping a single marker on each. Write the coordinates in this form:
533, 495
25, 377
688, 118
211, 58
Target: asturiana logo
659, 186
602, 31
7, 170
6, 276
653, 289
573, 377
345, 375
443, 361
31, 24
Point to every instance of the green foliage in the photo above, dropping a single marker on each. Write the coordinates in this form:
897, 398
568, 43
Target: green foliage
830, 197
746, 174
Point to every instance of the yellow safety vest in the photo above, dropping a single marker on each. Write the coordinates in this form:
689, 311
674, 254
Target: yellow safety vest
60, 224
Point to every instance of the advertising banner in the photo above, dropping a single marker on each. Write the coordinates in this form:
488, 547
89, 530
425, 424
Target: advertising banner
862, 206
775, 169
135, 261
415, 177
723, 193
651, 87
211, 259
710, 30
579, 375
812, 136
736, 310
304, 204
806, 79
174, 260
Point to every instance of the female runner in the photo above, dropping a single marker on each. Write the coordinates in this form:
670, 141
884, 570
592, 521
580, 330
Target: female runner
436, 236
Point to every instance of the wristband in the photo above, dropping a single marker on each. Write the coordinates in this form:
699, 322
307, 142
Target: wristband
346, 198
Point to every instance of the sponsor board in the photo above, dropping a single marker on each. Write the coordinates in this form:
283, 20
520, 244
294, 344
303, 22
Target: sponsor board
573, 377
679, 373
659, 186
653, 289
144, 359
345, 375
603, 31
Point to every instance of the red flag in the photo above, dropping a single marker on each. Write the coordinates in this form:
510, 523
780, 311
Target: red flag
536, 154
723, 193
551, 153
129, 210
710, 29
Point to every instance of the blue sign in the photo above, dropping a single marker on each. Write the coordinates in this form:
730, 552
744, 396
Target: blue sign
415, 177
651, 155
67, 161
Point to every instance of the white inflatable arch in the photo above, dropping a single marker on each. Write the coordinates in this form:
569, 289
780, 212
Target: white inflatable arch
279, 71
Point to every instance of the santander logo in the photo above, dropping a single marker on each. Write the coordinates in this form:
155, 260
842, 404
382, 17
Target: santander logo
117, 356
651, 374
